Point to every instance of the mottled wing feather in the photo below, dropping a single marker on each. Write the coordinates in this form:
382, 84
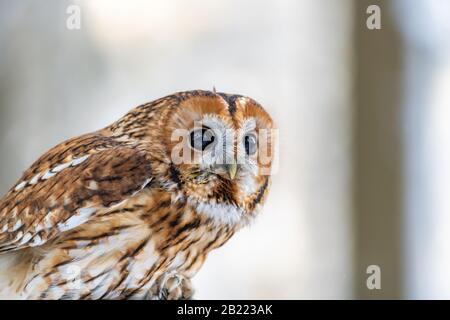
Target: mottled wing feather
68, 194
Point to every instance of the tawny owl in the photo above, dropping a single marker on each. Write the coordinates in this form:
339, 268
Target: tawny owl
131, 211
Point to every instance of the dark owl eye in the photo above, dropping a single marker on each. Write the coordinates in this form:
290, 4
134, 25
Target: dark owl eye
250, 144
202, 138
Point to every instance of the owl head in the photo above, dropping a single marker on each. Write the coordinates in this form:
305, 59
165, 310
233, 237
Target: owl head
216, 152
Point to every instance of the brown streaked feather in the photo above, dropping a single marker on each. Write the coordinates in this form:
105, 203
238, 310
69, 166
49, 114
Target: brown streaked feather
102, 180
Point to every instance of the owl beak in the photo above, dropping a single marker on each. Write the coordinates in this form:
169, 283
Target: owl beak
232, 169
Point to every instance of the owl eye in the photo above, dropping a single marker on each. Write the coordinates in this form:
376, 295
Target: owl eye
250, 143
202, 138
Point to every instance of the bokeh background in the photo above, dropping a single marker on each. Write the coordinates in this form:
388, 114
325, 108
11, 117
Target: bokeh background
364, 118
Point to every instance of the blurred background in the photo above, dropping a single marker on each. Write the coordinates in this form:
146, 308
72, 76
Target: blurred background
363, 114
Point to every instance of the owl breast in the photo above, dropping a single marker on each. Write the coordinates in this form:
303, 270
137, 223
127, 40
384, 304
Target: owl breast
127, 250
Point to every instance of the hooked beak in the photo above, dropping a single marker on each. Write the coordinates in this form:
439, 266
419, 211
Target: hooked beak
232, 169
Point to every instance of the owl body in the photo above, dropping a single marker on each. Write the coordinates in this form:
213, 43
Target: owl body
116, 214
